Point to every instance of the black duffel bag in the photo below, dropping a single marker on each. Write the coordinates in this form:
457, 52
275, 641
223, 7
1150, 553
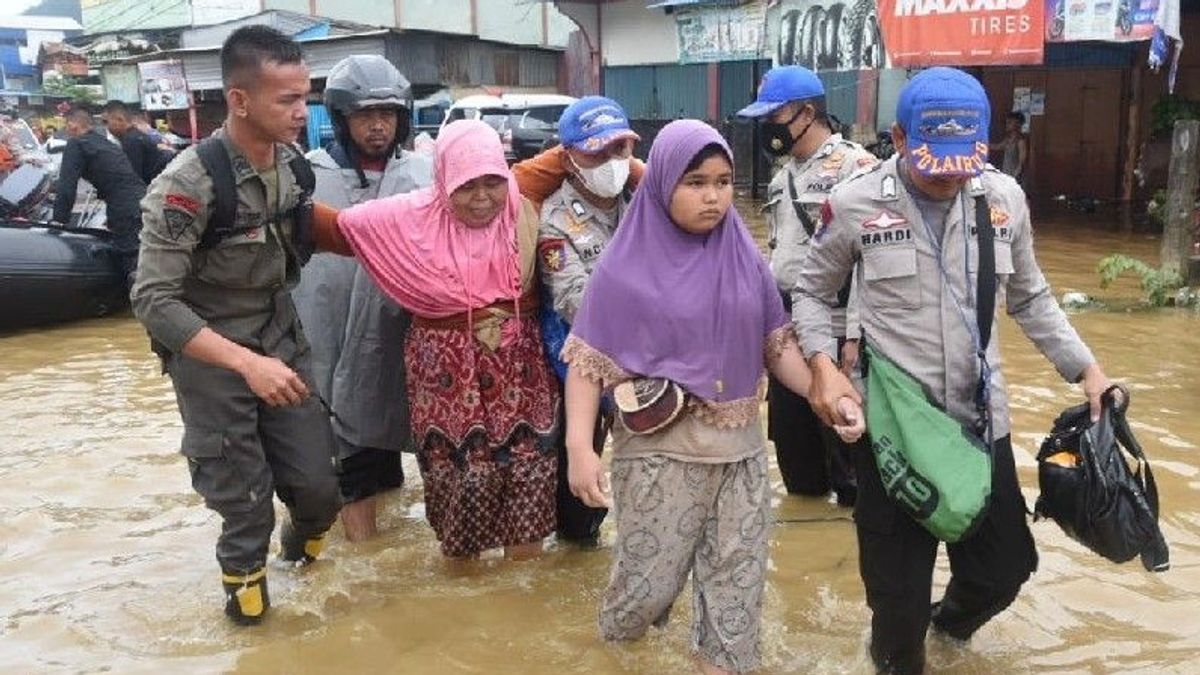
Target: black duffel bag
1089, 489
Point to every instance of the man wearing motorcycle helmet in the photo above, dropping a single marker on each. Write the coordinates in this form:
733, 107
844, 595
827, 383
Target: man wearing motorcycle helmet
357, 333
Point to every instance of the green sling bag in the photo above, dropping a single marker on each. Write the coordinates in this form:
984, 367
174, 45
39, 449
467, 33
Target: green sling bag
938, 470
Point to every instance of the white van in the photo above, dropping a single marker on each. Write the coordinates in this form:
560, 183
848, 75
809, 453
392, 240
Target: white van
508, 112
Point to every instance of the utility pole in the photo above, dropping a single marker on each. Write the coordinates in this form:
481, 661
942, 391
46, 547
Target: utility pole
1181, 200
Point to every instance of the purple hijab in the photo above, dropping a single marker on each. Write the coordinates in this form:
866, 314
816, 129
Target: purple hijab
696, 309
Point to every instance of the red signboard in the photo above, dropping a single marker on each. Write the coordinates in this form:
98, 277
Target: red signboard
963, 32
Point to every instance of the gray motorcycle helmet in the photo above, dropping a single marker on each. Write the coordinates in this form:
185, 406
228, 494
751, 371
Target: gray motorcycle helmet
364, 81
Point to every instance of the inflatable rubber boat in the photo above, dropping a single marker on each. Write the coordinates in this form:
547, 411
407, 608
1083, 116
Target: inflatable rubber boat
50, 273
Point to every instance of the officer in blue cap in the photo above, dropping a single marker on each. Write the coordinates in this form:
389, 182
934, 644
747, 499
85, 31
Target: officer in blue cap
791, 101
578, 221
916, 225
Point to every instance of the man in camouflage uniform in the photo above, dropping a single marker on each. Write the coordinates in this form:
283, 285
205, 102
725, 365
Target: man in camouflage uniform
578, 221
215, 298
812, 459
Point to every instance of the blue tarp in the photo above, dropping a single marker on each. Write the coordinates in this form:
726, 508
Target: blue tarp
320, 127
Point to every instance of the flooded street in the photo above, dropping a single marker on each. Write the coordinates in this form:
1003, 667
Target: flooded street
106, 555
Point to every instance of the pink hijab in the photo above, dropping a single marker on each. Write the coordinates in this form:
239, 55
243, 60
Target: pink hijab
420, 254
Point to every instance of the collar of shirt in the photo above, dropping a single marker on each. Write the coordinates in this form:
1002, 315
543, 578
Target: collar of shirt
571, 196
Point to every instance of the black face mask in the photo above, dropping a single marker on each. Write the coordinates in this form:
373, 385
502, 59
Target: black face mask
777, 139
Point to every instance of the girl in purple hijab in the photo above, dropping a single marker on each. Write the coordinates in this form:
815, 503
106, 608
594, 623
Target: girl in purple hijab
683, 293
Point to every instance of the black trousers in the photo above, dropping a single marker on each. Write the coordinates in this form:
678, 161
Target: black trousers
896, 557
577, 521
364, 472
812, 458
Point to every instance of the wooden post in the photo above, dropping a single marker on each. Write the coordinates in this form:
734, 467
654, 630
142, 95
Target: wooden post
1132, 131
1181, 196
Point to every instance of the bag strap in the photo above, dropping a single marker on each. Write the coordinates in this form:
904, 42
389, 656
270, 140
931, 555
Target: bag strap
809, 226
843, 297
985, 298
215, 159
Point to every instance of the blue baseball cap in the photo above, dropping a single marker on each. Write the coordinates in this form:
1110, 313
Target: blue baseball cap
945, 115
782, 85
592, 122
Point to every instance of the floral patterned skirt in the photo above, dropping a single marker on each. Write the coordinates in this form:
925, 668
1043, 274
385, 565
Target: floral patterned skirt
484, 423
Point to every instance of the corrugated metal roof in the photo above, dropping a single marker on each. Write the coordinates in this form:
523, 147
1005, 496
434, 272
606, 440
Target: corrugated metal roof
288, 23
203, 67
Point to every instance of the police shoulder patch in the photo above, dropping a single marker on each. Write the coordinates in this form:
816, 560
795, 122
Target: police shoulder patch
552, 252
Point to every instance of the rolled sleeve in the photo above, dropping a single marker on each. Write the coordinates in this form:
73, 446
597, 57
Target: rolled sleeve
174, 212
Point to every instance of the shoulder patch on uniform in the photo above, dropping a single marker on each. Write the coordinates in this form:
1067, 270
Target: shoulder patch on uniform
177, 221
867, 160
182, 202
551, 252
834, 162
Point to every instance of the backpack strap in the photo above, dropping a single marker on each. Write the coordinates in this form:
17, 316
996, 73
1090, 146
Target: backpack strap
985, 297
215, 159
303, 239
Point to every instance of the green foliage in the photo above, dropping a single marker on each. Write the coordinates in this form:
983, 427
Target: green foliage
1156, 282
1169, 109
66, 86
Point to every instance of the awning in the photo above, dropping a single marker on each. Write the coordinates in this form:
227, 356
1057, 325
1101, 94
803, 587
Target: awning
697, 3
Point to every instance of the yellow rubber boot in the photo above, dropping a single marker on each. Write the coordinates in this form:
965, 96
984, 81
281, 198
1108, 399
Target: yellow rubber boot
247, 600
297, 551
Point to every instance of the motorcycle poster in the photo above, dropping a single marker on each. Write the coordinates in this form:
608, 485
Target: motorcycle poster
1107, 20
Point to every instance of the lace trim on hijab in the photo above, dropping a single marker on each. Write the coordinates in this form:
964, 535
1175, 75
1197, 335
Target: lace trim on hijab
592, 363
727, 414
599, 368
777, 341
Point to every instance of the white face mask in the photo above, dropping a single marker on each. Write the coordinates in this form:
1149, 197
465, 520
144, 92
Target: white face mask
606, 180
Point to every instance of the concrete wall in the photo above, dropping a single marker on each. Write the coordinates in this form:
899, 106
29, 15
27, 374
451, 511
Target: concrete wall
508, 22
370, 12
444, 16
633, 35
298, 6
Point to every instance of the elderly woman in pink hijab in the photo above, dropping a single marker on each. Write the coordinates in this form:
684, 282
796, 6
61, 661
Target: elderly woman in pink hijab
460, 257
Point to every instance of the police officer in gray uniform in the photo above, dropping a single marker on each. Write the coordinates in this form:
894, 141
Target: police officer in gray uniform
356, 332
911, 226
578, 221
214, 295
812, 459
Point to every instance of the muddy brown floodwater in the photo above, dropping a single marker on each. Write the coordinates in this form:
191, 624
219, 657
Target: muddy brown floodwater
106, 555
